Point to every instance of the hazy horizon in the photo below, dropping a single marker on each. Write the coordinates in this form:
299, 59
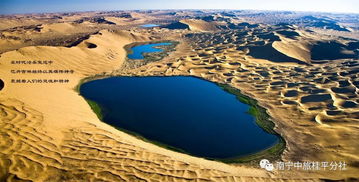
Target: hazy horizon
43, 6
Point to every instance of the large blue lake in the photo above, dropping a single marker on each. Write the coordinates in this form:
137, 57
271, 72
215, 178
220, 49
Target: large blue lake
138, 51
187, 113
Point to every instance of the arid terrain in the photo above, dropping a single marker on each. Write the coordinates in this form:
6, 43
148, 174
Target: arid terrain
302, 67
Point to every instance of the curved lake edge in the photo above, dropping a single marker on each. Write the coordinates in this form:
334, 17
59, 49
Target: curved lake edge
152, 56
260, 114
263, 120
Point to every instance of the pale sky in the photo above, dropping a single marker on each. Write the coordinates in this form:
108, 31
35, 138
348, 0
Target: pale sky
35, 6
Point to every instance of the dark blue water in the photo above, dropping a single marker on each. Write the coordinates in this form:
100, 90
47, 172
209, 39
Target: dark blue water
188, 113
149, 25
137, 51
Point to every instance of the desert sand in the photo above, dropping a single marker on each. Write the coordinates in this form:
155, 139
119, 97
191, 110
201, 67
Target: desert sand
48, 132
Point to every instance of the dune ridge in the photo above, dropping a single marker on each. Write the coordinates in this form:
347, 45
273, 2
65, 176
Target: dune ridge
305, 101
200, 25
48, 132
51, 130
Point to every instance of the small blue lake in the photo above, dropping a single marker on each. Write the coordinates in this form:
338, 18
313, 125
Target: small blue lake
187, 113
138, 51
149, 25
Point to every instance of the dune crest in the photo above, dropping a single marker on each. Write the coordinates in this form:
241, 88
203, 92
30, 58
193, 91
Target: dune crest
293, 48
200, 25
48, 132
58, 136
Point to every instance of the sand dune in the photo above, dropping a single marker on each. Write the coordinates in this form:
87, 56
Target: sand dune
58, 136
200, 25
48, 132
192, 24
6, 23
57, 27
293, 48
308, 102
54, 34
268, 52
331, 50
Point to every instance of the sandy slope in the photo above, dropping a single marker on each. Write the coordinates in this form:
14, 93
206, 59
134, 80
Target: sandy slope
54, 34
6, 23
58, 27
312, 130
298, 49
200, 25
49, 133
49, 129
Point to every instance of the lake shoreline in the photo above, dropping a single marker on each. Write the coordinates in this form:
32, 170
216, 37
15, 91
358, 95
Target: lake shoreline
261, 116
262, 119
148, 57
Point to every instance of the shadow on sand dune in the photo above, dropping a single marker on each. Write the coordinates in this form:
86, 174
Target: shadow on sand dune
331, 51
269, 53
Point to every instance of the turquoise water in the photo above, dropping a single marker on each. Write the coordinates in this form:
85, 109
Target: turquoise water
137, 51
187, 113
149, 25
